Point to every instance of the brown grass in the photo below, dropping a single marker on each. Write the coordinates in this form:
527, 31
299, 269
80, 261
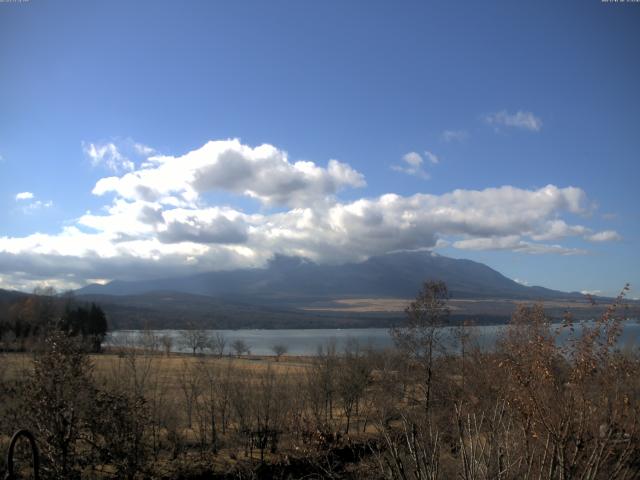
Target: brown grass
17, 365
467, 306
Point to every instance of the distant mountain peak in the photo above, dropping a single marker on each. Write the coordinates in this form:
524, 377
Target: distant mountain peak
396, 274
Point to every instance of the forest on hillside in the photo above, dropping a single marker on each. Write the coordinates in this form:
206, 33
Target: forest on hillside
28, 320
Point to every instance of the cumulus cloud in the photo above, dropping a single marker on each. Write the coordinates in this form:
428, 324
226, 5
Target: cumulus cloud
125, 219
108, 155
24, 196
161, 221
557, 229
264, 173
212, 225
604, 236
520, 119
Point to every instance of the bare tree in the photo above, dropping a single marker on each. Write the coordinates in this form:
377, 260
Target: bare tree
279, 349
240, 347
208, 403
224, 393
419, 337
321, 383
190, 384
260, 403
194, 339
149, 342
167, 343
217, 344
352, 380
161, 413
131, 370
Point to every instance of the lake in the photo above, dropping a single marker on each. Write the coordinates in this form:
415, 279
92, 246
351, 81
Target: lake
306, 341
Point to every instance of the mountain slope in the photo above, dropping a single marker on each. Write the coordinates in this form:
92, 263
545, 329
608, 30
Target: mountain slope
291, 280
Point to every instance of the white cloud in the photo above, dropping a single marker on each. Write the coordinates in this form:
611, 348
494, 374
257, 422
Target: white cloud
125, 219
264, 173
108, 155
491, 219
514, 243
557, 229
160, 222
520, 119
29, 204
604, 236
143, 150
37, 205
27, 283
24, 196
413, 164
431, 157
413, 159
454, 135
211, 225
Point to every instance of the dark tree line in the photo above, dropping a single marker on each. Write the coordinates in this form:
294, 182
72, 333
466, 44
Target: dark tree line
88, 322
26, 322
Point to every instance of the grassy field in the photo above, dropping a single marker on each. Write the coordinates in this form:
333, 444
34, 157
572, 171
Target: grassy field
108, 364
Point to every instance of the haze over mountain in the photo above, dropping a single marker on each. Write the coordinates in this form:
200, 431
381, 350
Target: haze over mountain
293, 279
293, 292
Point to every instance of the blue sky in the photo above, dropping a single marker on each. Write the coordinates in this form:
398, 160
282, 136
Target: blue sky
507, 132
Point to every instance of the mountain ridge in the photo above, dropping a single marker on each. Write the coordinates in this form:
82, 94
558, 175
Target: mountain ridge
295, 279
293, 292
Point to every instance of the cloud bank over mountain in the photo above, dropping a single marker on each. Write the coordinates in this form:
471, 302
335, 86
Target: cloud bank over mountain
159, 218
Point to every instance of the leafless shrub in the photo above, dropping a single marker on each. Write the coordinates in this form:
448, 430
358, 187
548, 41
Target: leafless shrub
117, 432
61, 392
574, 402
411, 451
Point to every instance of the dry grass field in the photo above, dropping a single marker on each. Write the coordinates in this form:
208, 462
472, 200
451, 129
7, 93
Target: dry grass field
485, 306
110, 365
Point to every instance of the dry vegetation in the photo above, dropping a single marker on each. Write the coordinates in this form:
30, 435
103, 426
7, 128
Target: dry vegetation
530, 409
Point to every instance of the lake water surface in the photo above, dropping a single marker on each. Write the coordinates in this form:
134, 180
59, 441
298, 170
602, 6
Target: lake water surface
307, 341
